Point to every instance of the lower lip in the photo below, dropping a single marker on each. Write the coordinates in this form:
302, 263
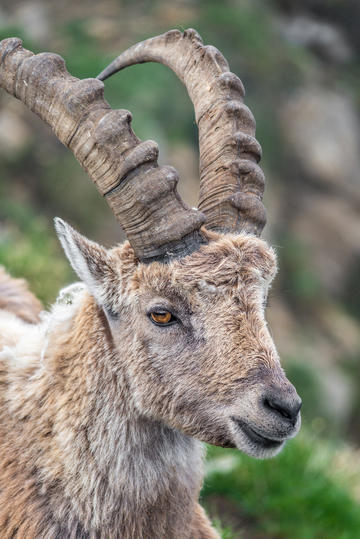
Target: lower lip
267, 443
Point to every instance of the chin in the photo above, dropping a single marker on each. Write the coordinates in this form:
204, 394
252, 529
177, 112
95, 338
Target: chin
255, 443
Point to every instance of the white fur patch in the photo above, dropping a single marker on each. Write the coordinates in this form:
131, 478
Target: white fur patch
22, 344
210, 288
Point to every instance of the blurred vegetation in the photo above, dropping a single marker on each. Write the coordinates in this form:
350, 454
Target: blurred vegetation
28, 250
284, 51
307, 491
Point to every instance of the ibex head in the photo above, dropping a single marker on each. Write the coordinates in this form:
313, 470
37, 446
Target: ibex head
184, 304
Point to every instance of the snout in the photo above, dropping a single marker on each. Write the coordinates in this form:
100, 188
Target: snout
283, 404
265, 418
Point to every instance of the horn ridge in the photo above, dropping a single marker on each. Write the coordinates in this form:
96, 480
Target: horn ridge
141, 194
217, 96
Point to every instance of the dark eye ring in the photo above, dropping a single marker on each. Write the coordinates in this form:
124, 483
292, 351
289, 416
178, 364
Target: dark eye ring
162, 318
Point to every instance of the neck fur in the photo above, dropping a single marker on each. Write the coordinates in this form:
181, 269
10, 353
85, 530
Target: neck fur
118, 470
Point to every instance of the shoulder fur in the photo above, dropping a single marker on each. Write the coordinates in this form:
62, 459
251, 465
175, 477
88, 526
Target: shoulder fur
16, 298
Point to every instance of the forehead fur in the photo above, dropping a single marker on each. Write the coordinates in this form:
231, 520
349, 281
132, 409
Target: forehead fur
222, 262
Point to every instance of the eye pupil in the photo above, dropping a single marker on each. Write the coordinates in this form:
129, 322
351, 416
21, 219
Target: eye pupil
161, 318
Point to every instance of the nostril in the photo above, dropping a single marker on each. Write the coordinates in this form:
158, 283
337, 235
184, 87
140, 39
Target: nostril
285, 407
275, 406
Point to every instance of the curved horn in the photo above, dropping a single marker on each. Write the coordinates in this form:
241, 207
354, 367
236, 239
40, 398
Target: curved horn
231, 182
141, 194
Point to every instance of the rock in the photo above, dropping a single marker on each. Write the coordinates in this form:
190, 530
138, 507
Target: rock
324, 38
323, 128
329, 225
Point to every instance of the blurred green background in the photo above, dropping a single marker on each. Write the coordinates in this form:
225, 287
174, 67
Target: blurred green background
300, 64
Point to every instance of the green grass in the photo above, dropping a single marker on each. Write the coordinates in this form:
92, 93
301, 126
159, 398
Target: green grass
304, 493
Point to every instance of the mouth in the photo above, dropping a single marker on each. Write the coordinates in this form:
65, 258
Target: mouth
259, 439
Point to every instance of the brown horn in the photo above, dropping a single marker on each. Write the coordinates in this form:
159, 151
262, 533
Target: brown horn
231, 182
141, 194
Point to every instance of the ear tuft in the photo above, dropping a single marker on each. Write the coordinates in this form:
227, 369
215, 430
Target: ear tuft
89, 259
60, 225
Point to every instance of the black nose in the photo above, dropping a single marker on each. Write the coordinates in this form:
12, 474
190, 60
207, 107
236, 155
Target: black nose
286, 404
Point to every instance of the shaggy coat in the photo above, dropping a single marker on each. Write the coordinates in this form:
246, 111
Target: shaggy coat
16, 298
102, 413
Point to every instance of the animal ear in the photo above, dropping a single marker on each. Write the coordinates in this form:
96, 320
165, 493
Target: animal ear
90, 260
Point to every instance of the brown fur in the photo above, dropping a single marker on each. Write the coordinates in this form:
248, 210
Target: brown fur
16, 298
100, 410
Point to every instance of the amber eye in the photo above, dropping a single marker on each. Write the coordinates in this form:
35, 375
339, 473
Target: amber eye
162, 318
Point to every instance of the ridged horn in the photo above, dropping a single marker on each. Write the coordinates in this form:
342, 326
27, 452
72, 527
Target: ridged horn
231, 182
141, 194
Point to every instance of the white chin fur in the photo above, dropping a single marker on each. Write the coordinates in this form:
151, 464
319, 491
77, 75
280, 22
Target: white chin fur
251, 447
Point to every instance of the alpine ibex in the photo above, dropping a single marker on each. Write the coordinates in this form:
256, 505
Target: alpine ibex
105, 403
